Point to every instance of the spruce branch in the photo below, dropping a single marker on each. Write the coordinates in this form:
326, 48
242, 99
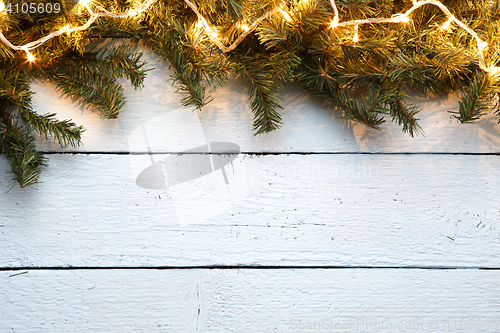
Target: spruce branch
264, 103
117, 62
233, 9
262, 93
92, 76
474, 101
19, 147
404, 114
190, 55
64, 131
309, 16
368, 110
105, 94
274, 33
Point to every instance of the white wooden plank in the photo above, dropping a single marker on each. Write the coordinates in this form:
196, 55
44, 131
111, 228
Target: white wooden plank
333, 210
99, 301
307, 128
250, 300
278, 301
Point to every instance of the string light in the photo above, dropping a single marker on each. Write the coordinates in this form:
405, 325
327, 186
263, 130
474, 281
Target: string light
400, 18
493, 71
446, 26
334, 22
397, 18
213, 34
238, 40
66, 28
134, 13
285, 15
202, 23
355, 39
30, 56
93, 17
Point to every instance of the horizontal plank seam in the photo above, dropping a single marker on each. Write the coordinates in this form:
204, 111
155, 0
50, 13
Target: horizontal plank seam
62, 268
266, 153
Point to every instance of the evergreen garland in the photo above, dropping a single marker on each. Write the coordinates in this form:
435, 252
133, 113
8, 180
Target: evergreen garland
297, 46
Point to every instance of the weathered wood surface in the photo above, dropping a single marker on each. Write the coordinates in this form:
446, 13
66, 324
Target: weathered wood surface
307, 126
331, 210
248, 301
316, 200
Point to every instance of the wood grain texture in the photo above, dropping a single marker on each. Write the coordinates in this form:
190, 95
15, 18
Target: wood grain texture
289, 210
327, 210
307, 126
247, 301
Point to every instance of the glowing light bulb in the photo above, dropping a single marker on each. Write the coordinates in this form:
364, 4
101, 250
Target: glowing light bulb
65, 28
30, 56
446, 26
400, 18
245, 27
285, 15
213, 34
133, 13
334, 22
493, 70
199, 25
2, 6
85, 3
355, 39
483, 45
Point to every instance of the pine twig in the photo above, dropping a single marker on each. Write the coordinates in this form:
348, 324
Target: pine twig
64, 131
474, 102
104, 93
404, 114
19, 147
263, 90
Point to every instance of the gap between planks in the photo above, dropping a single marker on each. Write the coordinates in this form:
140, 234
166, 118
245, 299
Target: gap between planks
266, 153
218, 267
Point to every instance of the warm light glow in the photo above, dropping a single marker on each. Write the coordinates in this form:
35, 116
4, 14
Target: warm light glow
285, 15
334, 22
85, 3
400, 18
446, 26
493, 70
203, 24
66, 28
142, 6
213, 34
397, 18
355, 39
30, 56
